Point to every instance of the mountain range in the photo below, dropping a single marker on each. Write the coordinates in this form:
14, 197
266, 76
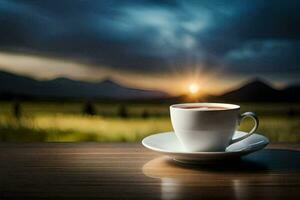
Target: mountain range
16, 85
12, 85
258, 90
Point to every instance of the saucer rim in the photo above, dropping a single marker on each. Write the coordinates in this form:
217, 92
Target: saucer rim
200, 152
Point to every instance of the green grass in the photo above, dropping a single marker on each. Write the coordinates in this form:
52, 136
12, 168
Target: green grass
60, 122
67, 127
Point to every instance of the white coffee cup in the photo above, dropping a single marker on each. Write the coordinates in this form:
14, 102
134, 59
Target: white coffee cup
208, 126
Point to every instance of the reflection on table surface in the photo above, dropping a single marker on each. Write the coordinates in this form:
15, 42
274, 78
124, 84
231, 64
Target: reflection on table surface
129, 171
264, 174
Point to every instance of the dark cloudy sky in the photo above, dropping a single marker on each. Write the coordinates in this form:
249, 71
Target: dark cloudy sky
153, 44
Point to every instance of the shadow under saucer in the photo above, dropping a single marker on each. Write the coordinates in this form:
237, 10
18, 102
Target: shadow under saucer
264, 160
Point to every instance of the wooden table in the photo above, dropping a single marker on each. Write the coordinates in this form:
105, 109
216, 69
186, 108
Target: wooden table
129, 171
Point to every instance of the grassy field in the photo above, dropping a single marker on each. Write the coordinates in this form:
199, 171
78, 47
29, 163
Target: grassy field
57, 122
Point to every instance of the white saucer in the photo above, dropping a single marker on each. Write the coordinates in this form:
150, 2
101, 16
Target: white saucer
168, 144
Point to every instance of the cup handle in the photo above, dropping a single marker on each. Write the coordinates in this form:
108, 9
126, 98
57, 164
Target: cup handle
253, 116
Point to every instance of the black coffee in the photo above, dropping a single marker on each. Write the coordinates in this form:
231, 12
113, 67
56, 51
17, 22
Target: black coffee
202, 107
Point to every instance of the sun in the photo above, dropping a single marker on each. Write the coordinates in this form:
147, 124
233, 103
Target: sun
193, 88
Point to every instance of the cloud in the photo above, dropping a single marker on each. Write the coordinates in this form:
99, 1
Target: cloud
158, 36
42, 67
266, 56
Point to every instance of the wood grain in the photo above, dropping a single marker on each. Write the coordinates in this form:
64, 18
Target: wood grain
129, 171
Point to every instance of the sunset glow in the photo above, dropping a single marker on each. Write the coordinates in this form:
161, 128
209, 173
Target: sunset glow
193, 88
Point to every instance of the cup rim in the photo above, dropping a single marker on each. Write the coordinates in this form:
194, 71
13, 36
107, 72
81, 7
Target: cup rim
228, 106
